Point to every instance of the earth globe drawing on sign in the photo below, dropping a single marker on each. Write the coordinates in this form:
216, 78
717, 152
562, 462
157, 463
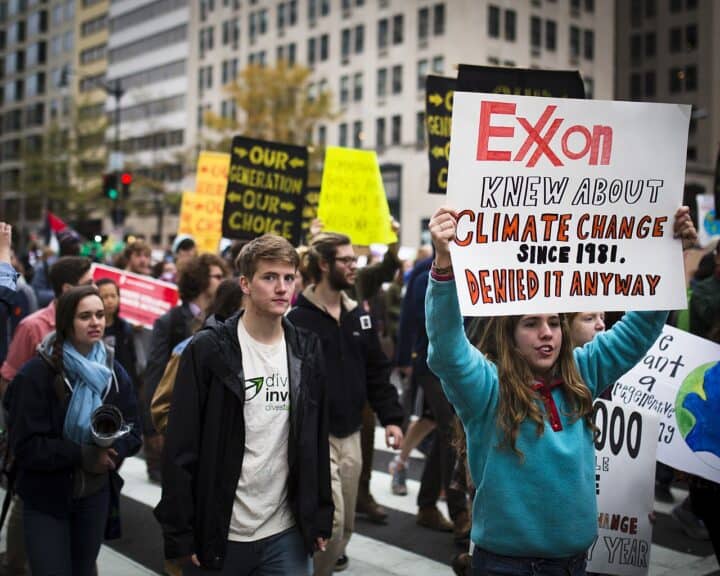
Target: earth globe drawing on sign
697, 406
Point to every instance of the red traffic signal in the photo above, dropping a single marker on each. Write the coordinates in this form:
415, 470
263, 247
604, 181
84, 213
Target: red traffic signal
126, 178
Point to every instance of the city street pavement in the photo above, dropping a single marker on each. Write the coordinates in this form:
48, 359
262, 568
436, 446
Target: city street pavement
400, 548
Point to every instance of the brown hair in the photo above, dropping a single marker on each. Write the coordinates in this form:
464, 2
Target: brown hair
194, 276
135, 247
517, 400
266, 247
323, 247
67, 270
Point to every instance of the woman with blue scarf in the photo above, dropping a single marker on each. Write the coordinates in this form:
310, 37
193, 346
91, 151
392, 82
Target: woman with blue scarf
67, 482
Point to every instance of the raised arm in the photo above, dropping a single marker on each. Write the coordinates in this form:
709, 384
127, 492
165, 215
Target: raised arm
469, 380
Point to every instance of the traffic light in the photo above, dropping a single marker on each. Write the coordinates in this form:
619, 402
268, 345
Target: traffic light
126, 179
110, 187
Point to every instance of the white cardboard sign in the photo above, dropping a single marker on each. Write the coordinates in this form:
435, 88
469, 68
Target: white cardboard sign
679, 380
566, 205
625, 447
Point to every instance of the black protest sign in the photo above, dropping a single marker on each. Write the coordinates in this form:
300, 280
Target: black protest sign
438, 119
493, 80
266, 190
520, 81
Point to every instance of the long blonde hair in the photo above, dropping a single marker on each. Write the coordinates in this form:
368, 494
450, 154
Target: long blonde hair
517, 400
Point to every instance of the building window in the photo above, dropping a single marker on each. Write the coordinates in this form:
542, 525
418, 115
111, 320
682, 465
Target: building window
380, 133
345, 45
358, 86
311, 51
589, 45
535, 32
343, 135
359, 39
675, 5
636, 48
322, 135
344, 89
398, 23
423, 24
493, 21
650, 45
397, 79
510, 25
383, 29
574, 41
691, 37
589, 5
635, 13
650, 9
550, 35
635, 87
438, 65
677, 75
422, 70
675, 40
650, 87
382, 82
396, 130
324, 47
439, 19
358, 135
690, 78
420, 129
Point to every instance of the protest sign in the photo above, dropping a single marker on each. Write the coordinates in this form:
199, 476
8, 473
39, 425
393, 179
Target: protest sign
142, 298
625, 445
489, 79
201, 217
708, 221
212, 174
679, 381
520, 81
266, 190
310, 209
560, 202
352, 197
438, 119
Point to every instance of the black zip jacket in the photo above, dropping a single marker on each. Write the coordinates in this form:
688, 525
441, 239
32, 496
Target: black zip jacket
205, 443
356, 368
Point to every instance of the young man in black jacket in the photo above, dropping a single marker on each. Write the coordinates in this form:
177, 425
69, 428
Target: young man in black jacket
357, 370
246, 470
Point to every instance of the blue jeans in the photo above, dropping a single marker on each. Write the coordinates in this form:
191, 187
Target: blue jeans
66, 546
279, 555
488, 564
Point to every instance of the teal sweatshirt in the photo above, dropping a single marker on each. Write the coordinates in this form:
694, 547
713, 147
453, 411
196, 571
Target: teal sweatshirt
545, 505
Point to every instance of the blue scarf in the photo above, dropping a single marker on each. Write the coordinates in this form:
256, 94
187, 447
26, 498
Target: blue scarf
89, 377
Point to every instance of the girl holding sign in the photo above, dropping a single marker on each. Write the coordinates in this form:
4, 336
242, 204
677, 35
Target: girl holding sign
527, 418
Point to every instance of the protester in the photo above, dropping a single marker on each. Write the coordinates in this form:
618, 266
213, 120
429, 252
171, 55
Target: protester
246, 471
118, 332
584, 326
183, 249
68, 245
136, 257
197, 284
356, 371
8, 287
227, 301
519, 455
437, 473
65, 480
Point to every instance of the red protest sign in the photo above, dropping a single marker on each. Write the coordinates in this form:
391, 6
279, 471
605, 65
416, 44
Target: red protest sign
142, 299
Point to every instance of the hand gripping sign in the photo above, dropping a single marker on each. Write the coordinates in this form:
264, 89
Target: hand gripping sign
560, 202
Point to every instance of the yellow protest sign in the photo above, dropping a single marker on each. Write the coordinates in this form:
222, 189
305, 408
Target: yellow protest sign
212, 173
201, 217
352, 197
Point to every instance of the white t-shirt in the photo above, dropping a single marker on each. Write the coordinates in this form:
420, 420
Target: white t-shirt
261, 508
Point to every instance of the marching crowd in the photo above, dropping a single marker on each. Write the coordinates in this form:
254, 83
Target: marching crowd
255, 403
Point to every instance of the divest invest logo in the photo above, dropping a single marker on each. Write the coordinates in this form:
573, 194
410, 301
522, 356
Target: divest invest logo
272, 390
